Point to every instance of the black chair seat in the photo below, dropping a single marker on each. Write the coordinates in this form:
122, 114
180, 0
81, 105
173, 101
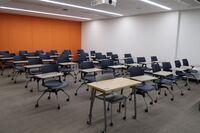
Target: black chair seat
145, 87
89, 78
55, 84
111, 97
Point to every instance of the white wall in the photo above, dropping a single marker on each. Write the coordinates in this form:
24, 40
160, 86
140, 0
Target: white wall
145, 35
189, 37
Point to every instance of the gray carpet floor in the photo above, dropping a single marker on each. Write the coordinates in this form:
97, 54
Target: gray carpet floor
19, 115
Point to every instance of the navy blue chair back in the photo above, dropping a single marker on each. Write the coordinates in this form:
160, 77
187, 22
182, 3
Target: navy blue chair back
82, 57
105, 63
53, 52
99, 56
128, 61
4, 52
39, 52
136, 71
167, 66
86, 65
19, 58
127, 55
63, 59
68, 52
45, 56
80, 51
185, 62
109, 53
154, 58
141, 59
92, 53
155, 67
34, 61
23, 52
177, 63
50, 68
32, 54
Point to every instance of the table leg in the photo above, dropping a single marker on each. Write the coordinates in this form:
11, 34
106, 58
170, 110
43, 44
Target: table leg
135, 106
105, 114
93, 93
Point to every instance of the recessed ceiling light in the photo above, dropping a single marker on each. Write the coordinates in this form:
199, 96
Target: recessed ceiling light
81, 7
40, 12
156, 4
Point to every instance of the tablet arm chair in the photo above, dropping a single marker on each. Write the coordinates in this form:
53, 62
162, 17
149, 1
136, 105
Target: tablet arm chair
86, 77
163, 82
142, 89
52, 85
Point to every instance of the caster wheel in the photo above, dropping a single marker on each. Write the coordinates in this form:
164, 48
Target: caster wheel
49, 98
37, 105
155, 101
151, 103
79, 80
88, 122
172, 99
165, 94
74, 81
182, 94
15, 82
75, 94
124, 118
189, 89
12, 79
67, 99
26, 86
31, 90
130, 99
172, 89
146, 110
158, 93
87, 89
111, 124
123, 106
58, 107
102, 132
108, 109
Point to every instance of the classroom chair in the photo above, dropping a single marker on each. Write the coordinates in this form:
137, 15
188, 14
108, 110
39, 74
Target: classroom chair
86, 77
143, 89
52, 85
112, 97
163, 82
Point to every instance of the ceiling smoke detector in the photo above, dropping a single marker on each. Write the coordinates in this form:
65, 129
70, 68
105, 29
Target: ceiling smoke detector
101, 2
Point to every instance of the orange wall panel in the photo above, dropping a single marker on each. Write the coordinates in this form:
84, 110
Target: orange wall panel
33, 33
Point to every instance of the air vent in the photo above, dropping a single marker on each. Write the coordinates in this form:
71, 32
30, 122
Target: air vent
192, 3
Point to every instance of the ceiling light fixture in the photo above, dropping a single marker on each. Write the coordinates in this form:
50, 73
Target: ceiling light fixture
156, 4
81, 7
40, 12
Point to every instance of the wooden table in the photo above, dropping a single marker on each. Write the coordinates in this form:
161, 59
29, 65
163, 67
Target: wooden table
144, 78
47, 60
28, 69
33, 57
115, 67
68, 63
91, 70
107, 86
163, 73
46, 76
133, 65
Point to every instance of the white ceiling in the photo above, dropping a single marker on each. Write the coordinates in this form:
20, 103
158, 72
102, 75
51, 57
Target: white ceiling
125, 7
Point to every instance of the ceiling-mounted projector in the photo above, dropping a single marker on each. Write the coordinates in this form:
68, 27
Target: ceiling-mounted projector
100, 2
